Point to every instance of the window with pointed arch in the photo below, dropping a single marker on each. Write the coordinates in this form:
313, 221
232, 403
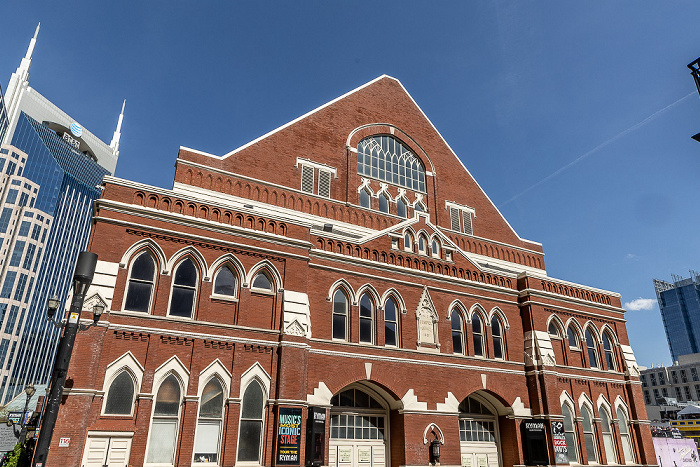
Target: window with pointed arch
422, 245
609, 352
366, 319
340, 315
184, 291
570, 432
499, 348
408, 241
120, 395
457, 331
139, 292
608, 441
401, 208
250, 432
262, 282
478, 335
625, 438
419, 207
592, 350
385, 158
553, 330
207, 444
391, 323
589, 434
226, 282
164, 424
383, 202
365, 199
572, 337
435, 248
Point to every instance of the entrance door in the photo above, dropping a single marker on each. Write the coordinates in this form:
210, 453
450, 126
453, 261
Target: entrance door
107, 451
478, 435
358, 431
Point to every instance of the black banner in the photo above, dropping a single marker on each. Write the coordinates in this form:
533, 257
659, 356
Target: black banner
289, 436
561, 452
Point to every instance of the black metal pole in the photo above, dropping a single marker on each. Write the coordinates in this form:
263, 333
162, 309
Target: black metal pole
84, 271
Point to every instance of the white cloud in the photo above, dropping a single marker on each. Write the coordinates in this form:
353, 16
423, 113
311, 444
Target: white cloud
631, 256
640, 304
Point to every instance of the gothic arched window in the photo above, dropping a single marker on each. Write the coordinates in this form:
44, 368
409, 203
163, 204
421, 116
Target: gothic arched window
385, 158
141, 280
478, 334
164, 424
457, 332
589, 434
366, 319
609, 352
391, 323
225, 282
211, 413
497, 334
250, 432
570, 433
592, 350
340, 315
120, 396
184, 290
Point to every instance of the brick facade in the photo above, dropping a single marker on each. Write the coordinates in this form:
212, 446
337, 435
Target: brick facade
247, 211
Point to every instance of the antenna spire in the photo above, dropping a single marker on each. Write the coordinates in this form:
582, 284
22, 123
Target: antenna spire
118, 132
32, 43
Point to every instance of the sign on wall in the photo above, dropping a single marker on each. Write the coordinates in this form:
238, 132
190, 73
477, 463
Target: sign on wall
289, 436
535, 442
561, 452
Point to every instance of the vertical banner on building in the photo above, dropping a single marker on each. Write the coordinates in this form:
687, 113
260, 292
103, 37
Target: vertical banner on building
289, 436
561, 452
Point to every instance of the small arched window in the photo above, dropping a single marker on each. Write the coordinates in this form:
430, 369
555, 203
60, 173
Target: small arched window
422, 245
141, 281
570, 433
625, 437
211, 413
366, 319
365, 199
120, 396
419, 207
262, 281
478, 334
592, 350
251, 429
391, 325
383, 202
553, 330
589, 434
184, 290
497, 334
401, 208
340, 315
435, 248
408, 241
573, 338
164, 424
608, 442
225, 282
609, 352
457, 332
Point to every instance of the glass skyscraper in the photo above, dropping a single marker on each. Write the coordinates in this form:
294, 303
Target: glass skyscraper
679, 303
51, 169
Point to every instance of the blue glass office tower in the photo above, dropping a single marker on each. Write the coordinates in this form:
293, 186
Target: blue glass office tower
679, 303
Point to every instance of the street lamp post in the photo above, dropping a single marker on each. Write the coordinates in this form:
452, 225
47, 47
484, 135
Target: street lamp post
82, 278
29, 391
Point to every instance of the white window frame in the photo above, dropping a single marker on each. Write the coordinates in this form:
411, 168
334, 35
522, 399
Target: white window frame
127, 362
195, 263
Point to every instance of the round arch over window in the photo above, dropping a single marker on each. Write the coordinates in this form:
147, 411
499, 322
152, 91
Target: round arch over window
139, 291
184, 291
385, 158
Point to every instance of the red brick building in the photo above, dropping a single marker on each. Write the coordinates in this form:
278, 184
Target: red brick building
344, 268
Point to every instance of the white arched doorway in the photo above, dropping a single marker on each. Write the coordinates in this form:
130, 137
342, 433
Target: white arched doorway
359, 435
479, 439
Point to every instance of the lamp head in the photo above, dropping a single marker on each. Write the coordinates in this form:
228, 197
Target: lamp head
97, 311
52, 306
30, 390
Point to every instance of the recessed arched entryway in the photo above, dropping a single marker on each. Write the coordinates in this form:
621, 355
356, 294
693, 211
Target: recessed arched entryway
479, 431
359, 428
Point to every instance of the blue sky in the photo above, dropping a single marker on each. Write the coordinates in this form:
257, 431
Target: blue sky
520, 90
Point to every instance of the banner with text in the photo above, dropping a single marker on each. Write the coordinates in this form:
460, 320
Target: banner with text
289, 436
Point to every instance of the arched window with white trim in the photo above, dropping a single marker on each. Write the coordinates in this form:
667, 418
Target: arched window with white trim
608, 441
340, 315
570, 432
553, 330
184, 291
391, 323
408, 241
383, 202
401, 208
499, 348
478, 335
225, 282
435, 248
366, 319
457, 331
207, 444
262, 282
609, 351
165, 421
120, 396
250, 432
589, 434
141, 281
592, 350
573, 338
365, 199
422, 245
625, 437
385, 158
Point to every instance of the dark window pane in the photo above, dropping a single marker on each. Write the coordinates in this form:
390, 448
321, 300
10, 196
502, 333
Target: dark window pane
553, 329
138, 296
365, 330
338, 326
573, 341
212, 402
497, 347
168, 398
365, 306
261, 281
249, 440
389, 333
252, 402
186, 274
225, 283
143, 268
478, 350
383, 203
390, 310
120, 395
340, 302
476, 324
361, 399
181, 302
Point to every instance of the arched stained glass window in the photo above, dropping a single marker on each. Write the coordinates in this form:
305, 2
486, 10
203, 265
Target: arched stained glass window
457, 332
184, 290
211, 410
497, 334
163, 435
225, 282
478, 334
609, 352
120, 397
391, 323
140, 289
592, 350
250, 432
366, 319
385, 158
340, 315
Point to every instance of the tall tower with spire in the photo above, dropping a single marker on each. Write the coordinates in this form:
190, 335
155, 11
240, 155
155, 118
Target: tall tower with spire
52, 167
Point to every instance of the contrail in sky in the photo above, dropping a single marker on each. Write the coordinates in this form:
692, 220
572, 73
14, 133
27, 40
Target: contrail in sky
597, 148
